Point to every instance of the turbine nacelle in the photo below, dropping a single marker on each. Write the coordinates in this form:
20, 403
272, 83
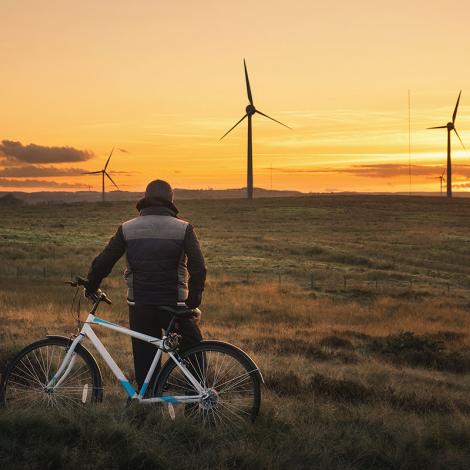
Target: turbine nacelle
250, 110
450, 126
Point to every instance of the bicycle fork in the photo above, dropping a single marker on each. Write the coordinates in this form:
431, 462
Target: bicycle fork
66, 366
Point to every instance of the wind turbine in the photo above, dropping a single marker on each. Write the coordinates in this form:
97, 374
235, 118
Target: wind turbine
450, 126
250, 110
103, 174
442, 178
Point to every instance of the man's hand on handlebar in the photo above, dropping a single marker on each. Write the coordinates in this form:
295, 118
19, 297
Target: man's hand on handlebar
93, 296
97, 295
91, 292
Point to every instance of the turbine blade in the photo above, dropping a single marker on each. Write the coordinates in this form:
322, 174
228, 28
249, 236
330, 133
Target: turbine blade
437, 127
272, 119
444, 172
92, 172
232, 128
109, 158
112, 181
456, 108
248, 88
457, 134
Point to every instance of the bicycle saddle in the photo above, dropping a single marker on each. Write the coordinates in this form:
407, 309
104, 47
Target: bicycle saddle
180, 311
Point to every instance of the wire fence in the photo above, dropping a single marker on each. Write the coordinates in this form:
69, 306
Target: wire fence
319, 281
56, 263
350, 283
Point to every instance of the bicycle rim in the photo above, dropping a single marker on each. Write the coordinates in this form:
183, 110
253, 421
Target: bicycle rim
232, 385
30, 372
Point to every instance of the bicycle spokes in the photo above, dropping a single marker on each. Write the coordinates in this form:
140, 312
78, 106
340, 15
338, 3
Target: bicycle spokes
229, 387
32, 372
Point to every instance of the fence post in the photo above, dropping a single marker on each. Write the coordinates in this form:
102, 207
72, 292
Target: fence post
312, 282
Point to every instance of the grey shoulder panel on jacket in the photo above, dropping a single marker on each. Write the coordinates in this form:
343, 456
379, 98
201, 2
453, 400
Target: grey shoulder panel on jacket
155, 226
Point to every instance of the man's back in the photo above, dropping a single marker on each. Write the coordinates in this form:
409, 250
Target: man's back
156, 257
165, 264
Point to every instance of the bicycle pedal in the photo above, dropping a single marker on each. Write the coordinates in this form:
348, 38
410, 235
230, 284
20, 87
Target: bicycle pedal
171, 411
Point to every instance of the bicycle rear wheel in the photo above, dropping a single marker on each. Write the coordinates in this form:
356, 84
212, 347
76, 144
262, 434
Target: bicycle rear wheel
25, 380
232, 383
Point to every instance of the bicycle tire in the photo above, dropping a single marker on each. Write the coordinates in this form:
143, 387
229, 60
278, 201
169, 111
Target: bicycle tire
235, 396
23, 384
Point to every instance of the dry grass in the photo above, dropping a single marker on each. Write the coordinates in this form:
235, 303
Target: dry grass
333, 397
363, 377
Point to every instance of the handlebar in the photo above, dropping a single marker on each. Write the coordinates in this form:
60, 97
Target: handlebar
78, 281
96, 297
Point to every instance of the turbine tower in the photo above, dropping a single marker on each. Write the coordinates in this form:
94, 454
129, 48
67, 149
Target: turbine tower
103, 174
250, 110
450, 126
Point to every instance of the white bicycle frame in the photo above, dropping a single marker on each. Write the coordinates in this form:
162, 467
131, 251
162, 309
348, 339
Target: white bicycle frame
87, 332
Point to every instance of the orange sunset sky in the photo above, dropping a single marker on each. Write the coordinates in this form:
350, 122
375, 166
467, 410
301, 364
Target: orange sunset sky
163, 81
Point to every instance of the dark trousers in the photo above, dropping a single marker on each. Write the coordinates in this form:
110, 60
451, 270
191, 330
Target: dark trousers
150, 320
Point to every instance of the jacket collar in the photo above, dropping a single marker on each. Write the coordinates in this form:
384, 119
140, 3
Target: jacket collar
157, 210
156, 206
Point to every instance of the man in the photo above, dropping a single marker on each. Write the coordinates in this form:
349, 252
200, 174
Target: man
165, 266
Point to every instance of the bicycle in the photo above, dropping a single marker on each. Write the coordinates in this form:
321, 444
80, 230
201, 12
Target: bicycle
216, 382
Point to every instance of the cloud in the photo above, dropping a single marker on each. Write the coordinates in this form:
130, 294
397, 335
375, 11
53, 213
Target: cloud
33, 153
34, 171
302, 170
385, 170
461, 186
8, 183
391, 170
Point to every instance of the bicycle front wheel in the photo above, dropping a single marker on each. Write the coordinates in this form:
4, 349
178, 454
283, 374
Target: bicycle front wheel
231, 381
25, 381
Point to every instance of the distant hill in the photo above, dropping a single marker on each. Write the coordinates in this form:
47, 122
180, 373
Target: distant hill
10, 200
180, 193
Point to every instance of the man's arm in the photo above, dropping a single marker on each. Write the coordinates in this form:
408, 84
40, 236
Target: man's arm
104, 262
196, 268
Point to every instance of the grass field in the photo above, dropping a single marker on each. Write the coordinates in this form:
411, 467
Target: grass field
363, 343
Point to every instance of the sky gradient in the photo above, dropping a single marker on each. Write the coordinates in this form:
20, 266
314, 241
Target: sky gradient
163, 82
